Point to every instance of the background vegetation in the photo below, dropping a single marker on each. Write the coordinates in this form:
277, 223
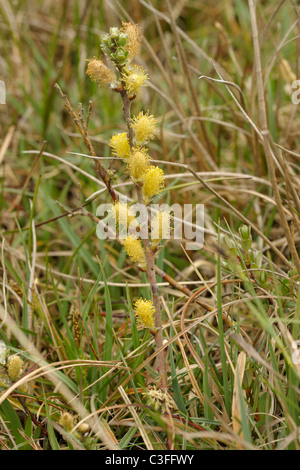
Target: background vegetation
66, 297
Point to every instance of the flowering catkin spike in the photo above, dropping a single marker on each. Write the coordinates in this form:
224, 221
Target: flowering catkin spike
160, 227
119, 144
76, 326
154, 182
134, 250
134, 79
134, 36
144, 313
99, 72
144, 127
83, 428
138, 164
123, 216
160, 400
14, 367
67, 421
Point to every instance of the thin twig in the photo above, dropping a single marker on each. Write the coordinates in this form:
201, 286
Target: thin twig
150, 257
83, 129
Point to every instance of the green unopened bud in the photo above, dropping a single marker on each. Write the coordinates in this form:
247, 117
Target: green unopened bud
114, 33
106, 41
245, 233
120, 57
112, 174
112, 45
122, 40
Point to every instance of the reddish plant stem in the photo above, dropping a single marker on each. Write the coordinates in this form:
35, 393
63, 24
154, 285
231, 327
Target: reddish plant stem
150, 256
151, 273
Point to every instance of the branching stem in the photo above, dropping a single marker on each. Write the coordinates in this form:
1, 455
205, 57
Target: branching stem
150, 256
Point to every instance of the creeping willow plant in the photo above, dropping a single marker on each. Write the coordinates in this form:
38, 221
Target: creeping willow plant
117, 72
120, 48
11, 367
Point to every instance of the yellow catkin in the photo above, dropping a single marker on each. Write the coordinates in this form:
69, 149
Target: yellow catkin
83, 428
123, 215
76, 326
160, 227
144, 127
16, 288
159, 400
154, 182
138, 164
14, 367
67, 421
145, 313
119, 144
135, 79
134, 250
99, 72
134, 35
